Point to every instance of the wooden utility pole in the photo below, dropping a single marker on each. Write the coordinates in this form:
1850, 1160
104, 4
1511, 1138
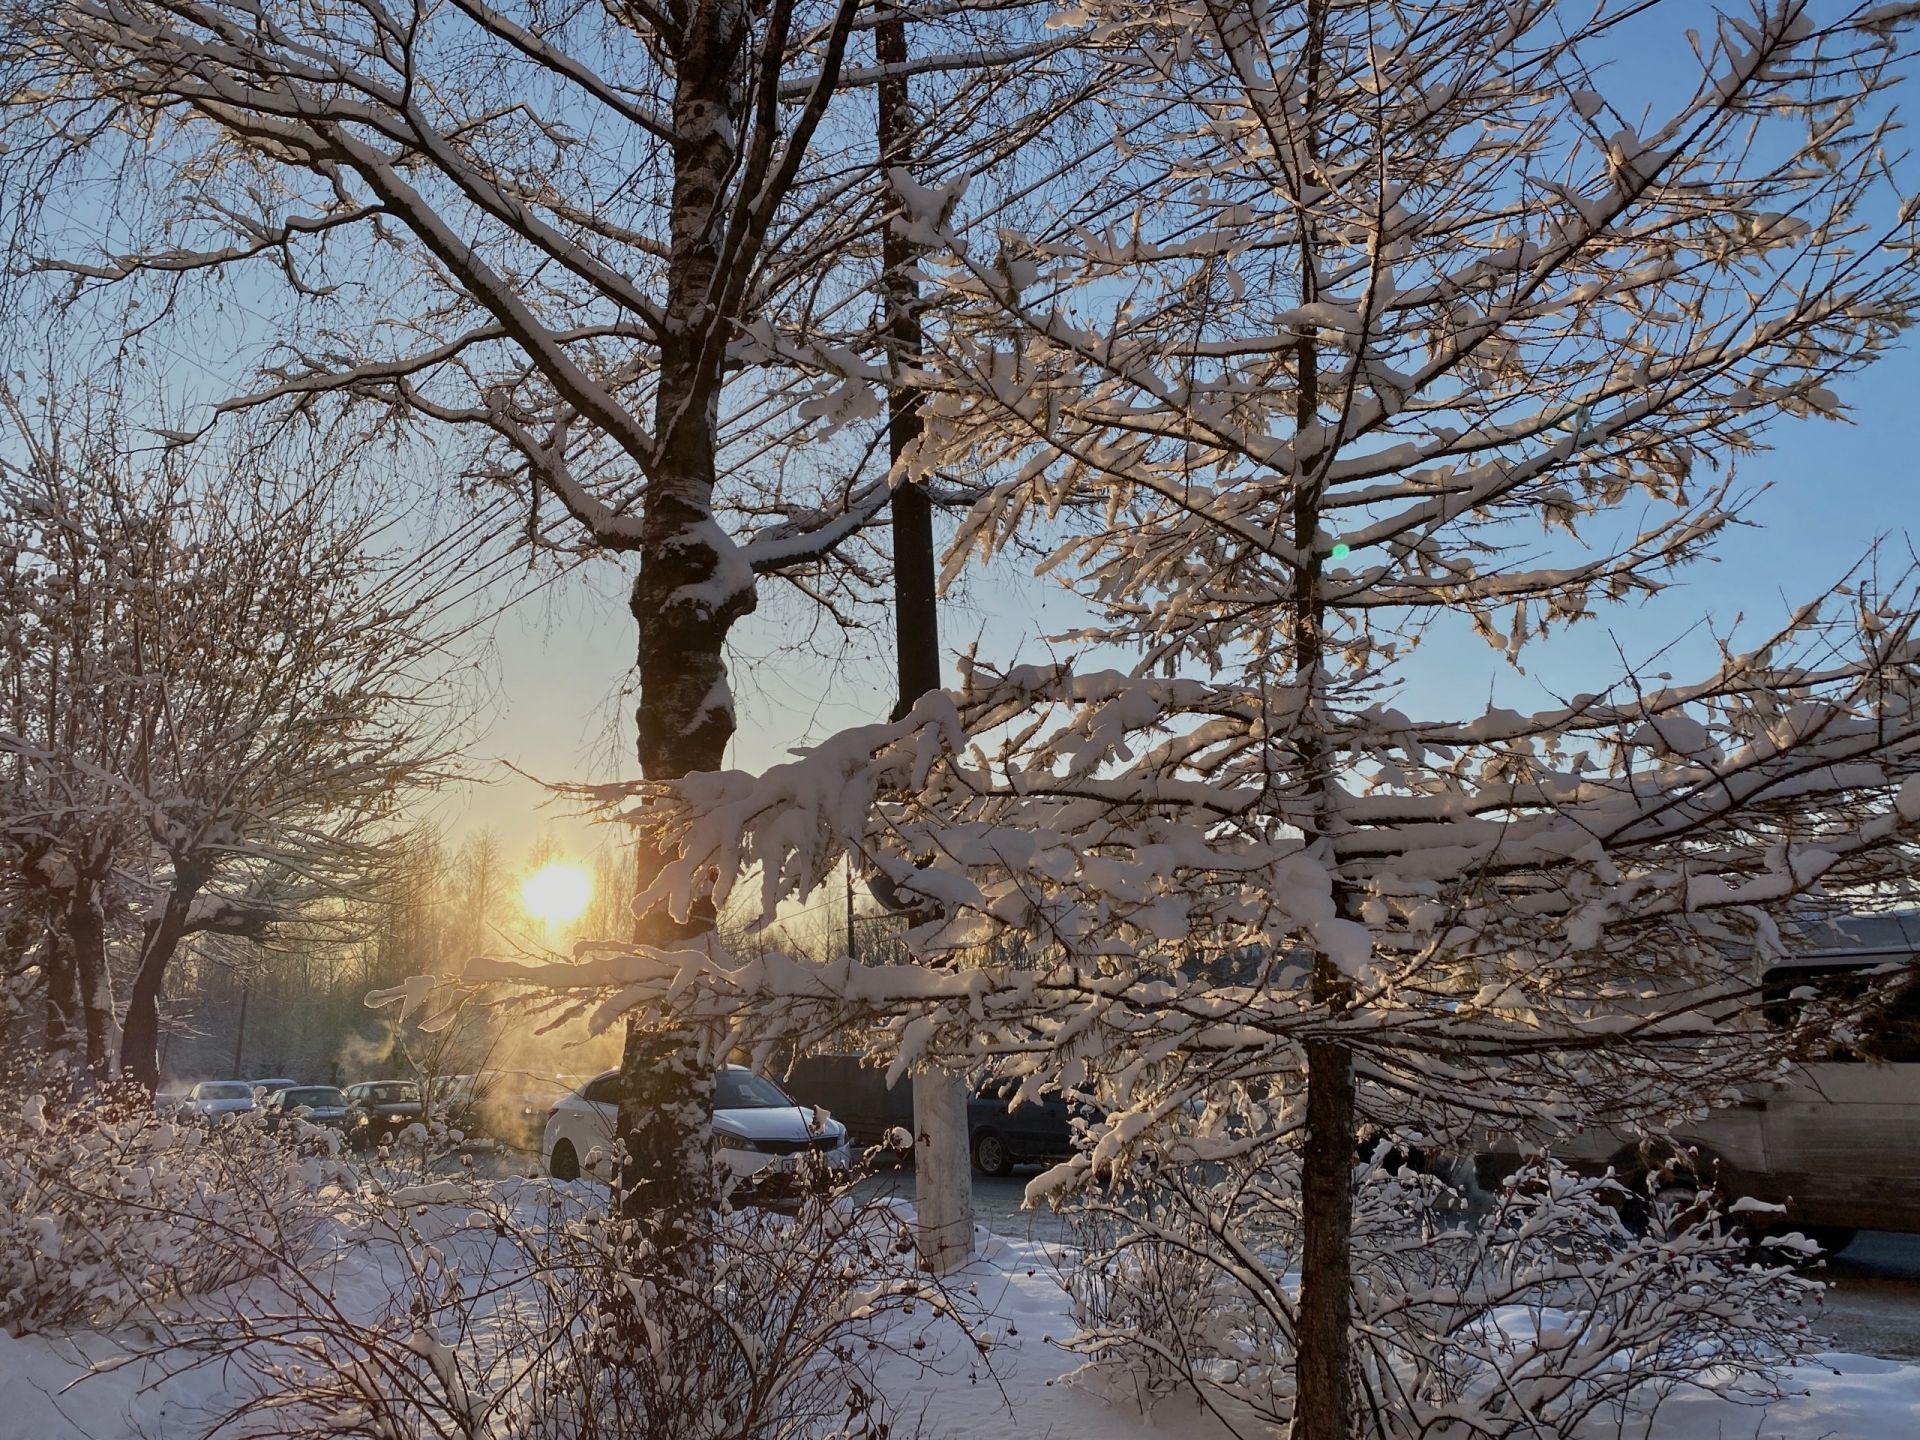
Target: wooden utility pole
942, 1178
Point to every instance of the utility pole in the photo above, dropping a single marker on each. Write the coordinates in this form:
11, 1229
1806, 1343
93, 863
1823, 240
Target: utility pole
240, 1033
942, 1178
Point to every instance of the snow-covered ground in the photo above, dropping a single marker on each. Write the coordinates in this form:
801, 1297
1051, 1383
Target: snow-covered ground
941, 1389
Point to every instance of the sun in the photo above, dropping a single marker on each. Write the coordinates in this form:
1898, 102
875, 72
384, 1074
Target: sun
557, 893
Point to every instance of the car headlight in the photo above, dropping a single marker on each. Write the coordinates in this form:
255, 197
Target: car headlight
724, 1141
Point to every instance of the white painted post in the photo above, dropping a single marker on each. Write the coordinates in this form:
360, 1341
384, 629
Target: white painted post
942, 1170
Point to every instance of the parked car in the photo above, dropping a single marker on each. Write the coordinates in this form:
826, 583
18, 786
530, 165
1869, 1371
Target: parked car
377, 1110
455, 1101
1839, 1143
211, 1099
759, 1131
856, 1092
1039, 1132
272, 1083
317, 1104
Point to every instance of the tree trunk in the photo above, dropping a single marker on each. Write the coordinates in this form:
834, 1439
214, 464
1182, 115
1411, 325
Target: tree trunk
690, 590
87, 934
1322, 1365
915, 604
140, 1032
942, 1168
1323, 1359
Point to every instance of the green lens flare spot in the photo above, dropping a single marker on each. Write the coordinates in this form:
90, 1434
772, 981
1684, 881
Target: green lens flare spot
1340, 552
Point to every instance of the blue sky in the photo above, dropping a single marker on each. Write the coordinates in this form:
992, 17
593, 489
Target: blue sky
561, 660
1833, 489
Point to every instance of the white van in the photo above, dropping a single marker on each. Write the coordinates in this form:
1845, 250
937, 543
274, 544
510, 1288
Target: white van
1839, 1144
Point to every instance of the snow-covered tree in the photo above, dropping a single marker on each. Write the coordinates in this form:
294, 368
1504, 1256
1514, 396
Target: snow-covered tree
1376, 322
218, 700
629, 249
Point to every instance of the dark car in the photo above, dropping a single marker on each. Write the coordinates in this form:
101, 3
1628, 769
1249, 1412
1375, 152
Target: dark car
377, 1110
1040, 1132
856, 1092
317, 1104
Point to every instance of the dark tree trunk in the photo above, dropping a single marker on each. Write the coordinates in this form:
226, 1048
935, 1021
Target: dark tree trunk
1323, 1378
916, 615
1323, 1361
942, 1178
140, 1031
690, 590
87, 934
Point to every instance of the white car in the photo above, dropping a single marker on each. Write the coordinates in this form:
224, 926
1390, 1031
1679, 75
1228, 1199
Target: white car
759, 1132
211, 1099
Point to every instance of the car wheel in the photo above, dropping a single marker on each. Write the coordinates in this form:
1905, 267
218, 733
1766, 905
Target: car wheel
563, 1164
1680, 1185
990, 1154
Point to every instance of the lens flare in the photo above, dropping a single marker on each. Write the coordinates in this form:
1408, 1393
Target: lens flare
557, 893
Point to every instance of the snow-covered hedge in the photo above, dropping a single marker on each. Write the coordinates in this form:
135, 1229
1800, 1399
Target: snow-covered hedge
1534, 1318
106, 1209
522, 1310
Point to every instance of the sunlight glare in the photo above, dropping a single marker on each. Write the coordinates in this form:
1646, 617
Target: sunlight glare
557, 893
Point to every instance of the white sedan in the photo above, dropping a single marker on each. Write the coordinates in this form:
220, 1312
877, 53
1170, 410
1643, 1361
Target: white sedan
211, 1099
759, 1133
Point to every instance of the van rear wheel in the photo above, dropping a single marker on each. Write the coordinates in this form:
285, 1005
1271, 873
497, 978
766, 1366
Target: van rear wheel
990, 1154
1664, 1183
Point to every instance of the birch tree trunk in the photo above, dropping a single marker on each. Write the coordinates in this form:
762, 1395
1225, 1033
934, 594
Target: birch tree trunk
685, 599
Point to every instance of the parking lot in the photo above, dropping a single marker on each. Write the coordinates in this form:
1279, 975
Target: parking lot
1874, 1305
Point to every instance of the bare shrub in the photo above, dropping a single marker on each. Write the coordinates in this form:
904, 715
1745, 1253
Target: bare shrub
107, 1209
1544, 1315
465, 1306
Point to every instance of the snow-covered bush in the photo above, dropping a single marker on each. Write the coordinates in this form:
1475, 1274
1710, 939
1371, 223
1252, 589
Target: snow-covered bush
106, 1209
1536, 1318
520, 1308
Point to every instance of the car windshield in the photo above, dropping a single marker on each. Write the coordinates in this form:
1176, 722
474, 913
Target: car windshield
314, 1095
228, 1090
399, 1092
743, 1090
